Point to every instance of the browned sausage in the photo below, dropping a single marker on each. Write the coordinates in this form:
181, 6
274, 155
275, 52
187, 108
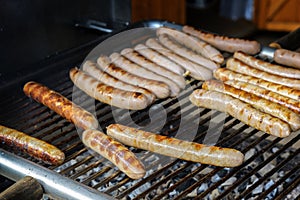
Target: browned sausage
240, 67
266, 66
289, 103
193, 43
286, 57
61, 105
225, 43
173, 147
257, 102
226, 74
108, 94
241, 111
114, 151
36, 148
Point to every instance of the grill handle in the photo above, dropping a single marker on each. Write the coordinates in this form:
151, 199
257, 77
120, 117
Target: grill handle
54, 184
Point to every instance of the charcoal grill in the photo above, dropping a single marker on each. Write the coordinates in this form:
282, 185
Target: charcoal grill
271, 169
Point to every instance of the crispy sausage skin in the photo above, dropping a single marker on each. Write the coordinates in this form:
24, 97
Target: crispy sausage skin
287, 57
240, 67
287, 102
174, 46
61, 105
115, 152
108, 94
266, 66
161, 90
173, 147
225, 43
92, 69
224, 74
138, 70
36, 148
194, 70
193, 43
241, 111
147, 64
257, 102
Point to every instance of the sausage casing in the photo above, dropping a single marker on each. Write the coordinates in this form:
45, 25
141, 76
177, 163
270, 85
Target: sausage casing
114, 151
61, 105
287, 57
108, 94
36, 148
257, 102
173, 147
241, 111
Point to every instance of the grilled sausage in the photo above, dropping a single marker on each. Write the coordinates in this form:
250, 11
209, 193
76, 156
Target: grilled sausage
61, 105
257, 102
194, 70
266, 66
241, 111
289, 103
36, 148
240, 67
92, 69
108, 94
226, 74
147, 64
184, 52
193, 43
173, 147
287, 57
159, 59
114, 151
225, 43
161, 90
138, 70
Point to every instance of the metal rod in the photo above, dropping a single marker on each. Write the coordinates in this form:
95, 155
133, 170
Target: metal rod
54, 184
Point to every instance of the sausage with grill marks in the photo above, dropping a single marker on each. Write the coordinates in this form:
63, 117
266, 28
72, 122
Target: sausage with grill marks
159, 59
241, 111
257, 102
138, 70
108, 94
266, 66
287, 57
193, 69
225, 43
114, 151
173, 147
92, 68
227, 74
193, 43
184, 52
134, 56
287, 102
240, 67
61, 105
161, 90
36, 148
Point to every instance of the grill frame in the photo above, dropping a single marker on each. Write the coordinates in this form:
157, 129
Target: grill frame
36, 120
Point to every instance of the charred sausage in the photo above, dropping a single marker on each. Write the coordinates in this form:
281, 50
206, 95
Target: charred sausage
114, 151
61, 105
241, 111
266, 66
194, 70
240, 67
257, 102
225, 43
193, 43
36, 148
226, 74
173, 147
161, 90
108, 94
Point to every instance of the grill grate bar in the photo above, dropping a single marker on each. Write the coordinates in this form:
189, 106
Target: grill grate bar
290, 186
